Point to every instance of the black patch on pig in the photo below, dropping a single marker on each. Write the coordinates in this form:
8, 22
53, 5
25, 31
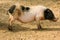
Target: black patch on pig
48, 14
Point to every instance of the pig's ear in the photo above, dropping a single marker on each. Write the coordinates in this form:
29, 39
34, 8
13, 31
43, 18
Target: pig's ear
12, 8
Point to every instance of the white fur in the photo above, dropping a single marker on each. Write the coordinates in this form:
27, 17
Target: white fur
35, 11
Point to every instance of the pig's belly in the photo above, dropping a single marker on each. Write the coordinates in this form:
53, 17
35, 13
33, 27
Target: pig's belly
26, 18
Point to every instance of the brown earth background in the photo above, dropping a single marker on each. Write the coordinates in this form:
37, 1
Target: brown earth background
28, 31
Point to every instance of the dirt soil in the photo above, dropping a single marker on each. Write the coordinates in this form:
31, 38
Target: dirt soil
28, 31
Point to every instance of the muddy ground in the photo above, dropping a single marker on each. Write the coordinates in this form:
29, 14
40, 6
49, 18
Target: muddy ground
28, 31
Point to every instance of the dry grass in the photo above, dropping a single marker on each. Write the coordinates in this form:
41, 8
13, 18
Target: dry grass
28, 31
